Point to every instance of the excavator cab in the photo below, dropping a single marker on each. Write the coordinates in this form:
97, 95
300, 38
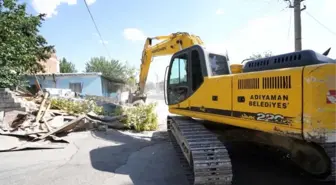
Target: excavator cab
187, 70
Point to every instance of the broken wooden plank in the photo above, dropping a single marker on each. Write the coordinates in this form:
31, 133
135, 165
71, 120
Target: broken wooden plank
69, 117
43, 117
46, 111
39, 116
21, 133
65, 127
47, 125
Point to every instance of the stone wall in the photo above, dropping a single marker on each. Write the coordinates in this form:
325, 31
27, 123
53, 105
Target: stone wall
7, 102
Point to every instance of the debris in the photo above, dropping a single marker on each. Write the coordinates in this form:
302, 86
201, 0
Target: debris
104, 118
43, 119
64, 128
116, 124
56, 122
2, 116
57, 112
8, 142
56, 92
38, 117
12, 119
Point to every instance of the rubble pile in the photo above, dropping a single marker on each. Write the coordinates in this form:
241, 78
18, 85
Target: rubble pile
41, 121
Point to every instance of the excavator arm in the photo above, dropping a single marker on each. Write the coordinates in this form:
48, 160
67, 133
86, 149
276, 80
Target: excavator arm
169, 45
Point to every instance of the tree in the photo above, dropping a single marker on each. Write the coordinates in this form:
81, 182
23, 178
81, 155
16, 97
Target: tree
113, 69
131, 73
258, 55
67, 66
110, 68
21, 45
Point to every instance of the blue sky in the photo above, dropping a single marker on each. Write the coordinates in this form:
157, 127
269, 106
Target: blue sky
242, 27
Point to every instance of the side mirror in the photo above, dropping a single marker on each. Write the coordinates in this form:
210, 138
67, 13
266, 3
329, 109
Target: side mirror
327, 52
164, 86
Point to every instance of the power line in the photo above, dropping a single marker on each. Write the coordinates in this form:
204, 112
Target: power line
94, 22
334, 33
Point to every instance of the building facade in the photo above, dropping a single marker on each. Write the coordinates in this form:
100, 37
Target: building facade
51, 65
94, 84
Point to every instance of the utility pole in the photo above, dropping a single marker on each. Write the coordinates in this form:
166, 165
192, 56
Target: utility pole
296, 5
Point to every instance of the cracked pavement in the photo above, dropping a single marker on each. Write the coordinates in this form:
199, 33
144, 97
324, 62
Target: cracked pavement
125, 158
110, 157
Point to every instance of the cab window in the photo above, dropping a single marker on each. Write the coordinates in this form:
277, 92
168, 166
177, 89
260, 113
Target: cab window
178, 73
178, 80
219, 64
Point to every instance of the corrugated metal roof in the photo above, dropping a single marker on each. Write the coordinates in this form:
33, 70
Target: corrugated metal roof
69, 74
79, 74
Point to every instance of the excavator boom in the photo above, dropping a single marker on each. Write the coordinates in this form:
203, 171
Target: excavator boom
168, 45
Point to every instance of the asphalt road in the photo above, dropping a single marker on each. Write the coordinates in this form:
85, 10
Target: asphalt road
125, 158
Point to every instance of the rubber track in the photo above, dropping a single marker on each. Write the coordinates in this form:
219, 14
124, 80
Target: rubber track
209, 159
330, 149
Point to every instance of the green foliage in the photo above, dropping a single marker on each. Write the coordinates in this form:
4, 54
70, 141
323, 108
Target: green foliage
113, 69
76, 107
131, 73
109, 68
139, 118
67, 66
21, 46
258, 55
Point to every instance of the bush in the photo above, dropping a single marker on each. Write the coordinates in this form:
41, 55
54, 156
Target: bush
139, 118
76, 106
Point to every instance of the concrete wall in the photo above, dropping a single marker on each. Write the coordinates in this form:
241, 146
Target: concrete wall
7, 102
91, 85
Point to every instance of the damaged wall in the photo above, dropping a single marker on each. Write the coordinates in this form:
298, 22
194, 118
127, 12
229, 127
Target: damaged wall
84, 83
110, 88
7, 102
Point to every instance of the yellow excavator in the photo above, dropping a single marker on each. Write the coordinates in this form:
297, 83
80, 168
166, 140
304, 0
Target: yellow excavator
286, 101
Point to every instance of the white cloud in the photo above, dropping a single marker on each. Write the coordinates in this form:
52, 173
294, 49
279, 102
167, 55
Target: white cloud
134, 34
219, 12
270, 33
90, 2
49, 7
103, 41
258, 35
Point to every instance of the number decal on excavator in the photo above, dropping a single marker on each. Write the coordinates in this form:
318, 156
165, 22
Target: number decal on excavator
277, 118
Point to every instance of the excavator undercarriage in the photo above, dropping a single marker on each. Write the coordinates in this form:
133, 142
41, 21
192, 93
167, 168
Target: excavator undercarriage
206, 160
